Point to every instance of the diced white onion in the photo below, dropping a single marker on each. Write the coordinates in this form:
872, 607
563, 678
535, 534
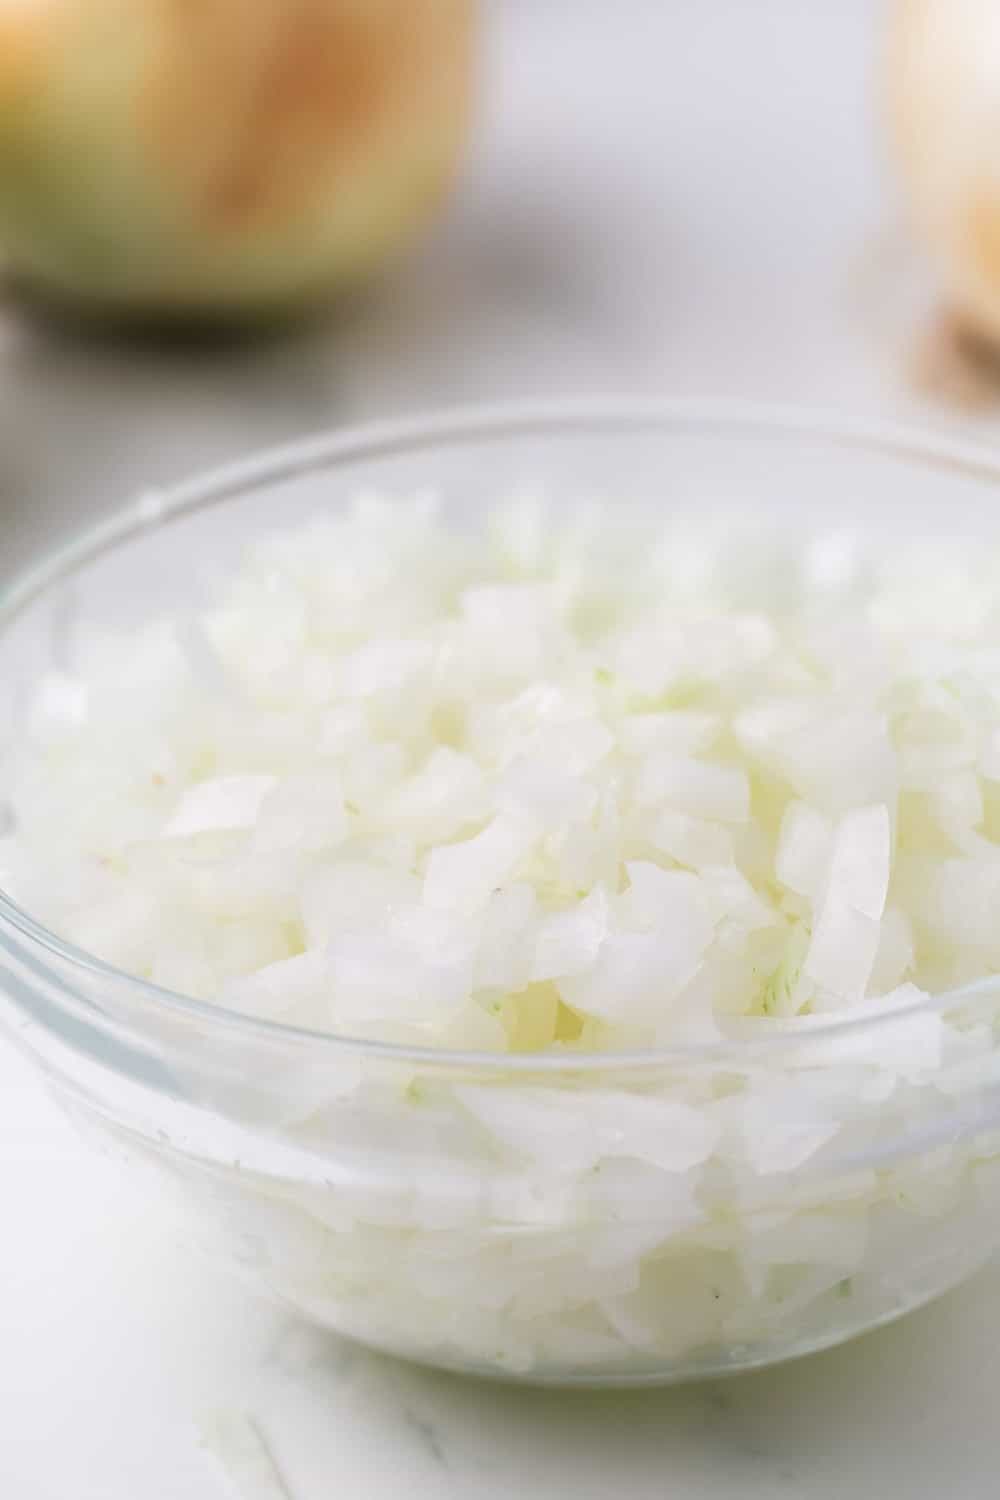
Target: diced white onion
577, 787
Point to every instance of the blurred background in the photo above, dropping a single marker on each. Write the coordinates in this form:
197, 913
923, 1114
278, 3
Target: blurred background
688, 198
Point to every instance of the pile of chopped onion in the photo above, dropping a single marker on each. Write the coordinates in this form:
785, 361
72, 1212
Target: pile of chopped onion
582, 785
570, 786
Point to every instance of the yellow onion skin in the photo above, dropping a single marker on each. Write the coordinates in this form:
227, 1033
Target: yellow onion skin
222, 158
943, 92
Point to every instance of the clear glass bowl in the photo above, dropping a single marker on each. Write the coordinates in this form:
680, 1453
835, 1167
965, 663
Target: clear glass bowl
350, 1179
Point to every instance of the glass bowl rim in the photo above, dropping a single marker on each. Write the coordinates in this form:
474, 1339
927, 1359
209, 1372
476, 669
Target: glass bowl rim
922, 448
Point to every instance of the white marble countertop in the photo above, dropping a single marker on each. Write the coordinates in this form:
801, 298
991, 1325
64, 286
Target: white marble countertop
679, 198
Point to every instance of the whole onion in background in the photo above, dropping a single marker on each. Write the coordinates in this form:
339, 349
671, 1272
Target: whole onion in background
944, 101
221, 158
